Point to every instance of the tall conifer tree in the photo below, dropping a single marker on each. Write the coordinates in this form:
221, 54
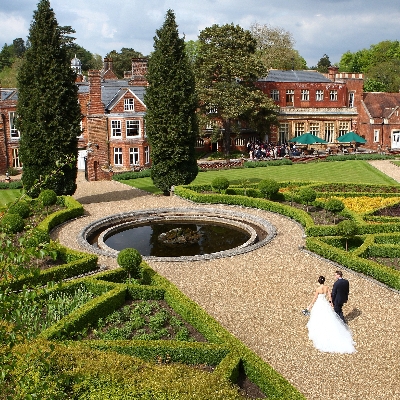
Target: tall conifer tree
48, 111
171, 122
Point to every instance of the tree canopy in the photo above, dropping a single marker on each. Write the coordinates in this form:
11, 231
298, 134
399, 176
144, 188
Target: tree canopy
171, 122
323, 64
48, 110
275, 47
226, 71
122, 61
380, 64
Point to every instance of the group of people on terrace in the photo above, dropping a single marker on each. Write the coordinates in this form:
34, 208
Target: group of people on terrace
259, 150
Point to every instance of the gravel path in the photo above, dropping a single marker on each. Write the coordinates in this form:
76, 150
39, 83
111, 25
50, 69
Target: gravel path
258, 297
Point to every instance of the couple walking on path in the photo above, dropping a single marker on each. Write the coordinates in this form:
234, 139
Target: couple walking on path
327, 327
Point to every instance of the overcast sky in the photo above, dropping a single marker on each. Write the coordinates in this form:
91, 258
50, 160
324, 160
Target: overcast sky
318, 27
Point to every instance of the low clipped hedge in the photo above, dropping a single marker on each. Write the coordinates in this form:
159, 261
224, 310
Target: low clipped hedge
73, 210
381, 273
124, 176
88, 314
76, 263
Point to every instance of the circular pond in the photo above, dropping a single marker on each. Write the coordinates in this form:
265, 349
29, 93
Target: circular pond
178, 234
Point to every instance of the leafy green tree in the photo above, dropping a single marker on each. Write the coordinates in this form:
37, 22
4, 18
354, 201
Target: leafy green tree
307, 196
130, 259
19, 47
48, 111
122, 61
269, 188
348, 229
323, 64
220, 183
171, 122
275, 48
334, 206
226, 71
6, 56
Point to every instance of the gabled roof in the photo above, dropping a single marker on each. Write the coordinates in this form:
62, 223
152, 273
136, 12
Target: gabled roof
121, 93
275, 75
380, 104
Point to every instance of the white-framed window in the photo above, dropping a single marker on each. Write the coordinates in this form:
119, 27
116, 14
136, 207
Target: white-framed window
199, 142
283, 132
333, 95
343, 127
376, 135
15, 158
147, 155
116, 128
14, 132
329, 131
290, 97
314, 128
319, 95
212, 109
134, 156
298, 128
81, 128
132, 128
117, 156
129, 105
275, 94
351, 99
305, 95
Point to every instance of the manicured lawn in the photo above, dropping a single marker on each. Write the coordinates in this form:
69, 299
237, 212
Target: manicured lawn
339, 171
8, 195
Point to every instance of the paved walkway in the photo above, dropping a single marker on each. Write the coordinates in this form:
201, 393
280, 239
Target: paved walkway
258, 297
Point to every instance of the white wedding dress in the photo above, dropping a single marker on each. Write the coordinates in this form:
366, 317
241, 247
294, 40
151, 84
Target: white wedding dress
327, 331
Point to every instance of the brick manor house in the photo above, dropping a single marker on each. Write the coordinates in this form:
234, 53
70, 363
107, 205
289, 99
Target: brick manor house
114, 137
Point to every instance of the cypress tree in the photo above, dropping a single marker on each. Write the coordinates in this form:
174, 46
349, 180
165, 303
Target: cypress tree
171, 122
48, 111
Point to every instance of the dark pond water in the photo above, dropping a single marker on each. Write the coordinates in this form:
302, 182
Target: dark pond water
213, 238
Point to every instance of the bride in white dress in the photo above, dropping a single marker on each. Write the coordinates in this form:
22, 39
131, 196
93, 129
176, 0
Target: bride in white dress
325, 328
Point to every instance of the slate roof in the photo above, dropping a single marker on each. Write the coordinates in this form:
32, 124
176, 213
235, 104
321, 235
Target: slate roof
111, 90
276, 75
9, 94
380, 104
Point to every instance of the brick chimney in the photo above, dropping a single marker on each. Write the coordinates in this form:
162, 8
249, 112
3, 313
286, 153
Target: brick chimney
95, 104
332, 71
139, 71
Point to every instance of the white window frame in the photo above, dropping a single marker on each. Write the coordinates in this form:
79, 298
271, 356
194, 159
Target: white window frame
290, 97
343, 127
15, 158
329, 131
134, 156
14, 132
319, 95
376, 135
118, 159
147, 155
314, 128
129, 129
129, 104
305, 95
116, 130
283, 132
275, 94
299, 129
351, 99
333, 95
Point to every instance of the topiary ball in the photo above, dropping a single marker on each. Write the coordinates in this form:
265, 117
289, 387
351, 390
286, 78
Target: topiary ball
130, 259
268, 187
48, 197
12, 223
220, 183
21, 208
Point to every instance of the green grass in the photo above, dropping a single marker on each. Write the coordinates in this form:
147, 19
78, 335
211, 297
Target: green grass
8, 195
340, 171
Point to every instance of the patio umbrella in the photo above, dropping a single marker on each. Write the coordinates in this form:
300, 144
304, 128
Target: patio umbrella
307, 138
351, 137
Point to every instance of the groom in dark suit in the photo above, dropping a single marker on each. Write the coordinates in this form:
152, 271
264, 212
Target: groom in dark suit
340, 294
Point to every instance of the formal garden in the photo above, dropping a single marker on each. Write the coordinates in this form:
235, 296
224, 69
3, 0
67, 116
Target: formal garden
70, 330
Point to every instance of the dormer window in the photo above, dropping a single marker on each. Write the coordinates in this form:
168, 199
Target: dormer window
129, 105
